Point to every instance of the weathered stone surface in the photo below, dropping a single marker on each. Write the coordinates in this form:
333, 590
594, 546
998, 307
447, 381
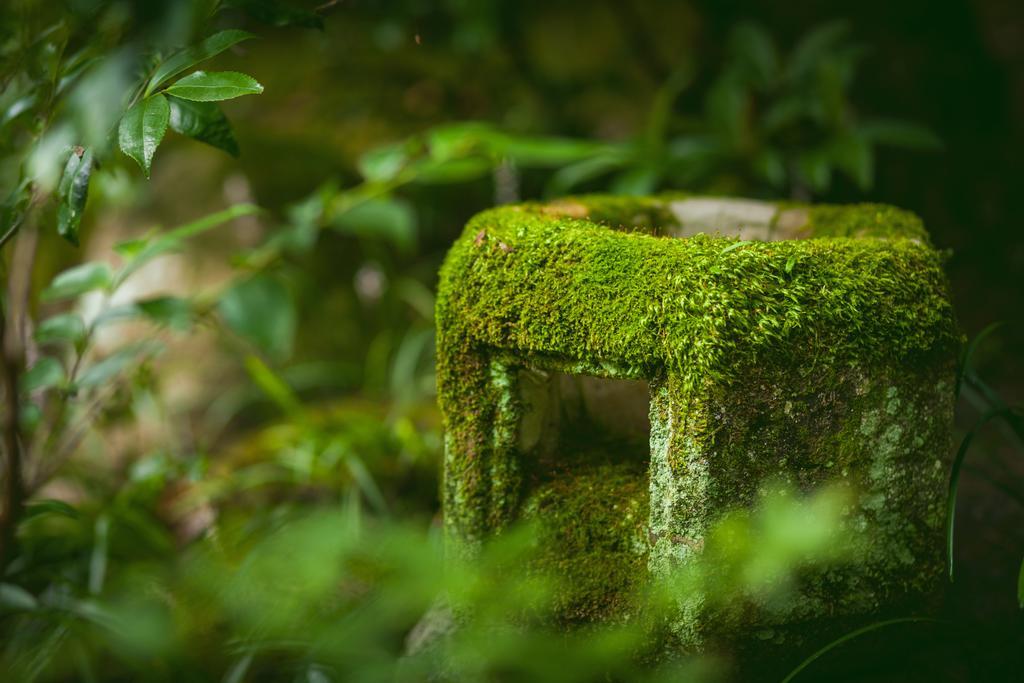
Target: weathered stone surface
801, 344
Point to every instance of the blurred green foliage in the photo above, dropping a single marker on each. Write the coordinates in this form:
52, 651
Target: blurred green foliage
283, 525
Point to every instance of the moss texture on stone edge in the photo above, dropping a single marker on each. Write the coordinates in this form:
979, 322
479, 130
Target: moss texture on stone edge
822, 358
554, 280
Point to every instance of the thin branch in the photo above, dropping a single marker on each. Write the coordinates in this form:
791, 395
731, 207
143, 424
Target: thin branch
13, 326
73, 436
14, 491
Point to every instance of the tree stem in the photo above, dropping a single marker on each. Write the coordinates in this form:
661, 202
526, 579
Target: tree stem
13, 330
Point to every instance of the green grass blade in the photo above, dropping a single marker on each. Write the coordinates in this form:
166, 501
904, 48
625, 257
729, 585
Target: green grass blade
954, 479
1020, 585
850, 636
965, 358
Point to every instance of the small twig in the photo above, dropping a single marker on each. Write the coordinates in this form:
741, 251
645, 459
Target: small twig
11, 230
64, 450
19, 288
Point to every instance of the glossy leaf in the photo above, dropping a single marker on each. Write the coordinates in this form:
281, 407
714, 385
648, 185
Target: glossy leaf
79, 280
142, 128
195, 54
72, 193
214, 86
202, 121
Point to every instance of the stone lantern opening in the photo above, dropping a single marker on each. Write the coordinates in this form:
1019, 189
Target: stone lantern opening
584, 445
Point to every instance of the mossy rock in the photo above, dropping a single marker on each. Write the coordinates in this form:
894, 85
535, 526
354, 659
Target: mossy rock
773, 342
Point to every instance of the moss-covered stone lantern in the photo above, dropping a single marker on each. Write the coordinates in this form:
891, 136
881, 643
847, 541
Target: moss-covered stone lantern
755, 341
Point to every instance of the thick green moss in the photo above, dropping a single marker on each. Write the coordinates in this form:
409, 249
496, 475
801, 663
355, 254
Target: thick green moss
823, 358
592, 540
530, 281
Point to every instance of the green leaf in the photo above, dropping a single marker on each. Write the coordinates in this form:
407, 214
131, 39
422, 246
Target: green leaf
786, 111
16, 598
275, 388
47, 372
113, 365
736, 245
79, 280
99, 556
142, 128
72, 192
215, 86
203, 121
384, 163
195, 54
727, 108
29, 416
364, 480
640, 180
769, 165
900, 134
452, 170
954, 476
853, 154
170, 311
816, 170
390, 219
755, 52
568, 177
64, 327
50, 506
138, 252
261, 310
277, 13
814, 46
